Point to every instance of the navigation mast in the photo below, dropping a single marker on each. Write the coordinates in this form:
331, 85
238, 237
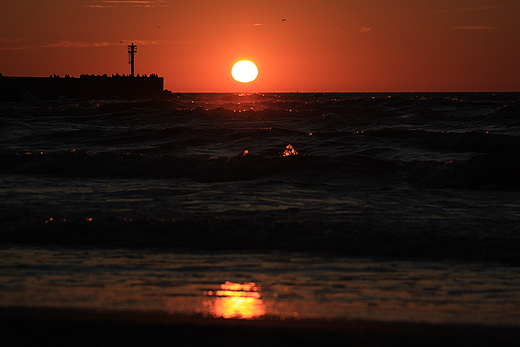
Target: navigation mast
132, 50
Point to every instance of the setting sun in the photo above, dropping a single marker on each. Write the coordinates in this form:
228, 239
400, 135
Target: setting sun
244, 71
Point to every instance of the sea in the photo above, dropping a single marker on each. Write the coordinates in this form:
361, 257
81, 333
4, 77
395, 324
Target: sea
356, 206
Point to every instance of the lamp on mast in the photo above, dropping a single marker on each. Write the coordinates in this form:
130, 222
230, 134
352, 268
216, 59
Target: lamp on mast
132, 50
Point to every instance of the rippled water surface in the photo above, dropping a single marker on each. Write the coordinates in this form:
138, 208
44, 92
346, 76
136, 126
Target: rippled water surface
366, 206
260, 285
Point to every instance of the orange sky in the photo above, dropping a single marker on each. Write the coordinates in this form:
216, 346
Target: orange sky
323, 45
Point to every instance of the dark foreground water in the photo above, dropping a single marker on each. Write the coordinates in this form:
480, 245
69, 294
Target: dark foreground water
372, 206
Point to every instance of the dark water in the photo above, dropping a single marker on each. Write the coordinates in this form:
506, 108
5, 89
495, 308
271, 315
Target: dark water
359, 206
409, 175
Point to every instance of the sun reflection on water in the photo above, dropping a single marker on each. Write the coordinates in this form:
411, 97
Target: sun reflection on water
236, 300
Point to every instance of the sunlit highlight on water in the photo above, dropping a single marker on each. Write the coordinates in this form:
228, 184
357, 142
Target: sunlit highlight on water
237, 300
289, 150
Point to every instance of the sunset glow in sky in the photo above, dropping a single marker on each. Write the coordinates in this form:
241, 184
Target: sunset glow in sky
298, 45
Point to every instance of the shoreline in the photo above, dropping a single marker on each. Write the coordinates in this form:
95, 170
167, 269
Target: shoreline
21, 326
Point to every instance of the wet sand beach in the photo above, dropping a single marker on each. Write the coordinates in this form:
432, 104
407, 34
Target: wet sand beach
31, 326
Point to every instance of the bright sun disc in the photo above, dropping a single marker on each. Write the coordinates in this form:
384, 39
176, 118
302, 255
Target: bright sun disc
244, 71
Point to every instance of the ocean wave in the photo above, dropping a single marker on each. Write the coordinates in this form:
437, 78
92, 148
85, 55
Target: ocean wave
243, 166
469, 141
479, 172
117, 164
486, 171
253, 231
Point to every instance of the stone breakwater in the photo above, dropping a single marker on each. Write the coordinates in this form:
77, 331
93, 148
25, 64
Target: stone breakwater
85, 87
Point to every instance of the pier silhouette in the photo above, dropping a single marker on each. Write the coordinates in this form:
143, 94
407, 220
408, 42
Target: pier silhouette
86, 86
